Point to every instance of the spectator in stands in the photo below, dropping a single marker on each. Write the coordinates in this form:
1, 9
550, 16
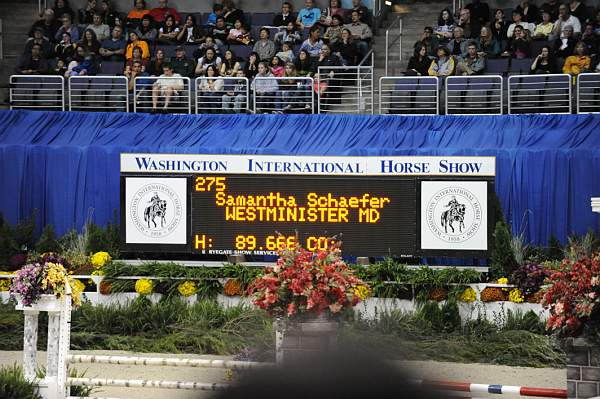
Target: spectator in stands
160, 13
109, 15
290, 89
62, 7
264, 47
565, 19
564, 45
136, 56
48, 24
191, 32
517, 21
579, 62
305, 65
208, 43
217, 11
90, 42
445, 25
209, 58
134, 41
589, 38
458, 44
231, 13
113, 49
86, 15
443, 65
167, 33
276, 67
156, 65
65, 50
487, 45
230, 64
67, 27
220, 32
544, 29
544, 62
289, 35
363, 11
346, 49
265, 90
134, 18
59, 69
579, 10
211, 90
520, 45
286, 54
419, 63
479, 11
166, 88
361, 33
313, 43
529, 12
285, 17
551, 7
329, 79
471, 28
136, 70
33, 63
39, 39
234, 92
328, 13
101, 30
82, 64
146, 31
429, 41
120, 22
251, 67
181, 64
334, 31
499, 26
235, 34
309, 15
472, 64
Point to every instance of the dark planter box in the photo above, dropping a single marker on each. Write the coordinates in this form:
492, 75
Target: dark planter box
583, 368
301, 339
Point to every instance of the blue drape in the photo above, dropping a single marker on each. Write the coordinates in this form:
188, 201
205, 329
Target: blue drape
64, 163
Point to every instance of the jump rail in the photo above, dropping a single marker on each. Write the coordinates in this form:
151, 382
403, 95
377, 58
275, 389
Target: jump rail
167, 361
494, 389
108, 382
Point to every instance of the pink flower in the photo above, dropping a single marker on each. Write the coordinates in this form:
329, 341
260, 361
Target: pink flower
595, 281
559, 308
335, 307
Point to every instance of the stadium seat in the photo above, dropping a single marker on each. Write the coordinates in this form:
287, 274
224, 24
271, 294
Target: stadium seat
168, 49
496, 66
262, 18
112, 68
520, 66
241, 51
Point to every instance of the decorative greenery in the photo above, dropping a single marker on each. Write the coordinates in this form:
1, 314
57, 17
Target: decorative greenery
47, 241
13, 384
502, 262
530, 277
555, 250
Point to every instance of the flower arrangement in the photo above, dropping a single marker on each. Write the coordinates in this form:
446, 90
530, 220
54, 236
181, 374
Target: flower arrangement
303, 282
105, 287
232, 287
187, 288
35, 279
438, 294
515, 295
492, 294
530, 277
572, 295
99, 259
468, 295
144, 286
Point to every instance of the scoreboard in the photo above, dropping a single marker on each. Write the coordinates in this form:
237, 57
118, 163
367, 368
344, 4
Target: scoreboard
247, 204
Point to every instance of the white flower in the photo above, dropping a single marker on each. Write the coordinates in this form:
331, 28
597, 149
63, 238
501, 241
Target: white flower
592, 295
558, 308
595, 281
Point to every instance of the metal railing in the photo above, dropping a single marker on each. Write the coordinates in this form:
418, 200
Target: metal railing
232, 96
390, 42
1, 40
37, 92
352, 83
547, 94
588, 93
293, 95
98, 93
414, 95
162, 94
42, 5
480, 95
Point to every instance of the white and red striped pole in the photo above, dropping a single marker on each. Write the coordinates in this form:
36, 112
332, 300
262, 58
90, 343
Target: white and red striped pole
493, 389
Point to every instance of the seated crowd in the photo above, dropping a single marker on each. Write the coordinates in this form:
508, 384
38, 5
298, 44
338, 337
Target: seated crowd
552, 38
99, 40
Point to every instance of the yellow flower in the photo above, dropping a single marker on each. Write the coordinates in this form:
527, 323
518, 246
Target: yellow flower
468, 295
99, 259
187, 288
143, 286
361, 292
77, 287
55, 279
4, 284
98, 272
515, 295
502, 280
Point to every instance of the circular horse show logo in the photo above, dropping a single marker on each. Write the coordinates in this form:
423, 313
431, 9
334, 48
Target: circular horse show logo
155, 210
454, 214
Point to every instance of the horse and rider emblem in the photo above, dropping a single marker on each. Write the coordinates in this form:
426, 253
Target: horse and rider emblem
156, 210
456, 213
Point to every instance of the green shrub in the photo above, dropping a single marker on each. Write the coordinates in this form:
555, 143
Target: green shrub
502, 262
555, 249
47, 241
14, 386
